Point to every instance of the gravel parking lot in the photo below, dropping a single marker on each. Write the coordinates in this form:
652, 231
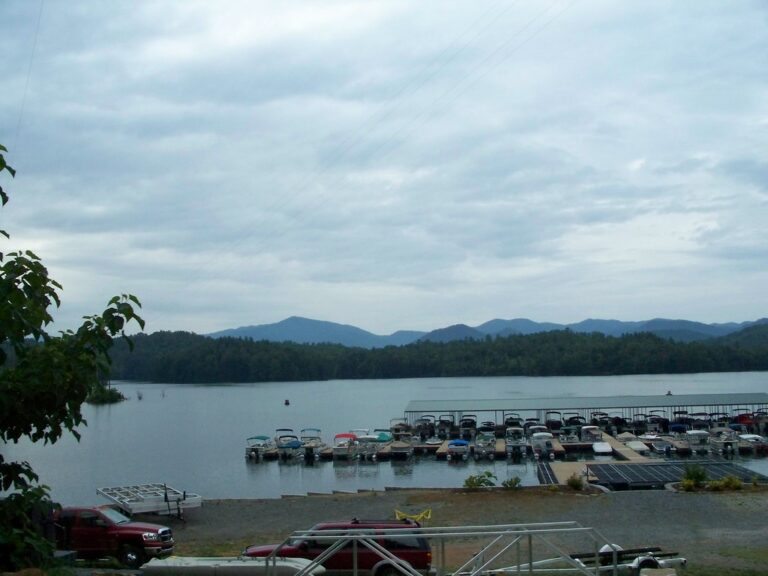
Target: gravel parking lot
709, 529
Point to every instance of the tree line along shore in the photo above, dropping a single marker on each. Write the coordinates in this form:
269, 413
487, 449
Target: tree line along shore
184, 357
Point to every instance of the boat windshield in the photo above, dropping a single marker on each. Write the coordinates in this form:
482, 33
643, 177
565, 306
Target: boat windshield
115, 516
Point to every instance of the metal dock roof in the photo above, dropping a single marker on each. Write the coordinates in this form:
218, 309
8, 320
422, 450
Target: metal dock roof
690, 402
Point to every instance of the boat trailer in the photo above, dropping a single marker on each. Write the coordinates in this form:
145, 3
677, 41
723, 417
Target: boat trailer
151, 499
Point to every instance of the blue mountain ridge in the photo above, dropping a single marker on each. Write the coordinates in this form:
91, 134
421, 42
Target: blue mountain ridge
308, 331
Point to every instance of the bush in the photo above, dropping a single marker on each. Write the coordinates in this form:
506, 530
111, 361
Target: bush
687, 485
512, 483
575, 482
727, 483
484, 480
695, 474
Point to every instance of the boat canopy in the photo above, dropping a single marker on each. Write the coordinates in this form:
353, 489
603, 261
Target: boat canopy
458, 442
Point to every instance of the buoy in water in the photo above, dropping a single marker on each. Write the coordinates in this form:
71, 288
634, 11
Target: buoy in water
287, 402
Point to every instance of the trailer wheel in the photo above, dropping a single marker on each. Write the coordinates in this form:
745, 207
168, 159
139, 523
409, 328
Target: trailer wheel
131, 556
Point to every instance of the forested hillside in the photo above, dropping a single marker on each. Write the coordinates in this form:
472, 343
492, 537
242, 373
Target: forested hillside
177, 357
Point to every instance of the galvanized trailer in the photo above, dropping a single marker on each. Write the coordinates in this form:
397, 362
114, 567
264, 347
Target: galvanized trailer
151, 498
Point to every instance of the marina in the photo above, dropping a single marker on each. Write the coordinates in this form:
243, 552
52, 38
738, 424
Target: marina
193, 437
719, 425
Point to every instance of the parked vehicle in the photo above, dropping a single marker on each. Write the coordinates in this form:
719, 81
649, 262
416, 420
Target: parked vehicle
412, 549
95, 532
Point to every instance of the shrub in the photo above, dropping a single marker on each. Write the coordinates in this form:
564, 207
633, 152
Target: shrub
575, 482
483, 480
696, 474
512, 483
727, 483
687, 485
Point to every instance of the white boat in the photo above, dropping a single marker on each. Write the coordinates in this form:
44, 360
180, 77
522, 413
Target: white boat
217, 566
591, 434
602, 448
257, 446
541, 443
311, 443
345, 446
698, 441
485, 445
369, 445
515, 442
637, 446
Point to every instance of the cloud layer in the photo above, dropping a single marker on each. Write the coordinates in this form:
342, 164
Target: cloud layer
392, 164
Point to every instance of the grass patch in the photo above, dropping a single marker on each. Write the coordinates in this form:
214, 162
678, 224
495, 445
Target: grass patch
229, 548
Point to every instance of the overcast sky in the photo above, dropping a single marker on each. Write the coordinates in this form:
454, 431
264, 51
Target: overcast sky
391, 164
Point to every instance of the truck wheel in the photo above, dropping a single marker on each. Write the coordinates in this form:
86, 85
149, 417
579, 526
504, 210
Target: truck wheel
388, 571
131, 556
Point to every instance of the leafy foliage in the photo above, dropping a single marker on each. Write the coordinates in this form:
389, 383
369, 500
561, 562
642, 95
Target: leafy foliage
694, 475
43, 388
485, 479
512, 483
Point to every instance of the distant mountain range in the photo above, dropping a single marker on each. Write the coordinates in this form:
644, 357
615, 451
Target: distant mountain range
308, 331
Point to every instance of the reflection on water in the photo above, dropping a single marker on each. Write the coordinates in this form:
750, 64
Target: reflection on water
193, 437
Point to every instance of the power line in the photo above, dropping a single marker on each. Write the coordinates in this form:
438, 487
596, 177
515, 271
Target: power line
29, 74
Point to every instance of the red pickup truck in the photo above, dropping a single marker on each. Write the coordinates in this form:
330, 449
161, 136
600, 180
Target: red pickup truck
95, 532
410, 548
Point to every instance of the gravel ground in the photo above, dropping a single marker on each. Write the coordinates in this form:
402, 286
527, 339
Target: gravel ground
709, 529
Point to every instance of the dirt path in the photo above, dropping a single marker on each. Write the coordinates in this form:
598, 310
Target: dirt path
707, 528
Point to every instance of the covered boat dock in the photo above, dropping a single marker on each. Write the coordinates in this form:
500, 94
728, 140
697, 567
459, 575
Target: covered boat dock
626, 407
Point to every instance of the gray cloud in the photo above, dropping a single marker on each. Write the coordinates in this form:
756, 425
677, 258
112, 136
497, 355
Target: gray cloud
391, 164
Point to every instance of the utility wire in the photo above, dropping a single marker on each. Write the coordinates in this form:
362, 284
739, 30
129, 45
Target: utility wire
29, 74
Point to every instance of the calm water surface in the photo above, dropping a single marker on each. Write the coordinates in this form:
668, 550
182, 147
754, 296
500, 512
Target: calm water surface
193, 437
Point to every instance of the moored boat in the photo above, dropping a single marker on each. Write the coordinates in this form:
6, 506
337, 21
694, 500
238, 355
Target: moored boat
445, 426
402, 445
257, 446
287, 443
458, 449
485, 444
542, 446
467, 426
698, 440
312, 443
345, 446
515, 442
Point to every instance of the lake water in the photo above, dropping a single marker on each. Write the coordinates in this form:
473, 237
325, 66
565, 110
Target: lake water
192, 437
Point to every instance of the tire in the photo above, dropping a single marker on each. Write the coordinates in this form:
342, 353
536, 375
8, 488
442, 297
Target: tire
131, 556
388, 571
